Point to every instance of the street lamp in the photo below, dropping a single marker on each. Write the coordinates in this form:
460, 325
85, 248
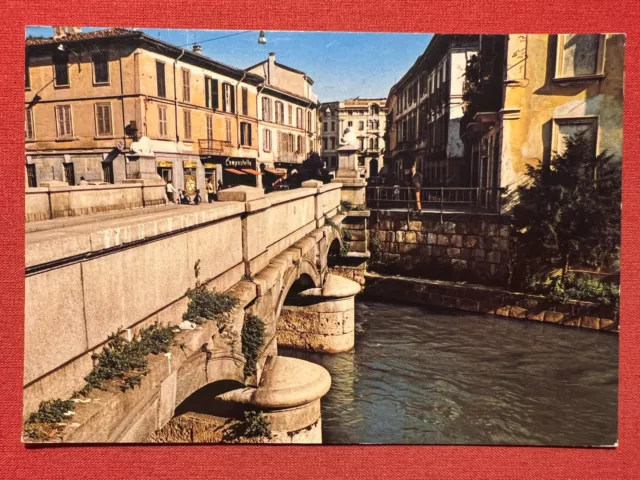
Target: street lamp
262, 39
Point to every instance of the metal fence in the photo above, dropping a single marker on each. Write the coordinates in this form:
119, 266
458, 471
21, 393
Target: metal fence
438, 198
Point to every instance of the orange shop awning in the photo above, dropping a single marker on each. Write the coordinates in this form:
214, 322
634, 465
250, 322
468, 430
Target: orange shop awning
276, 171
251, 171
233, 170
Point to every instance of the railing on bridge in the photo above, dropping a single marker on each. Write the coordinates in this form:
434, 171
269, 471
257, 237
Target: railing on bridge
470, 199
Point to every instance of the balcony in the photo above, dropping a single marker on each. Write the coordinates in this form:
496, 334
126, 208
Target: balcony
208, 146
291, 158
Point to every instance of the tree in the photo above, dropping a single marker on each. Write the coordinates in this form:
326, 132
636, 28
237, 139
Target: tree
568, 213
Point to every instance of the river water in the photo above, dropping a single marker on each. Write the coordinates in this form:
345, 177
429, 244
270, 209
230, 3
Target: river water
419, 375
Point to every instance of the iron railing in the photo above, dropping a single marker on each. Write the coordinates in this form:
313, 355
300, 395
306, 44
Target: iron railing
440, 198
209, 146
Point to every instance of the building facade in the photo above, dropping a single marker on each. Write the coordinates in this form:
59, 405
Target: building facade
97, 102
366, 117
287, 114
425, 111
528, 93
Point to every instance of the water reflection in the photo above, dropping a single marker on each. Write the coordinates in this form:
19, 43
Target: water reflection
426, 376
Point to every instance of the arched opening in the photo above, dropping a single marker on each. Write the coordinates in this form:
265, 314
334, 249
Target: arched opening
334, 254
203, 400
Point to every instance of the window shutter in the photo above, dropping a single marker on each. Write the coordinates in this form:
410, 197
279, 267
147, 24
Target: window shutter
214, 94
207, 94
67, 120
233, 98
100, 120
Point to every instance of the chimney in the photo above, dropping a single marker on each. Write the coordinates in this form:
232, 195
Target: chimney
59, 32
197, 49
271, 69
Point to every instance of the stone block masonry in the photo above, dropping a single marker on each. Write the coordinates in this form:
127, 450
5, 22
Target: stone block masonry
455, 247
495, 301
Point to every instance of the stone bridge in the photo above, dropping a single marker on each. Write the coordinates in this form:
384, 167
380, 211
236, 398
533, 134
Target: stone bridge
86, 281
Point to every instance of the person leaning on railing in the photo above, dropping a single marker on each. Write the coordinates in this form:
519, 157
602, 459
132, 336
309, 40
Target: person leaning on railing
416, 183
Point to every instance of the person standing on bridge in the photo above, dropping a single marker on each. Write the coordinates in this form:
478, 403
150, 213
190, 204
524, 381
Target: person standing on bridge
210, 190
170, 192
416, 183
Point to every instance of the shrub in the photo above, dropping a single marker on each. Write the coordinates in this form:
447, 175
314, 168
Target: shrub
579, 287
43, 422
256, 424
253, 336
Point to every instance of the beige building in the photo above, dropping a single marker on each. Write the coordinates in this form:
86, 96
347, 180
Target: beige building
364, 116
287, 114
98, 103
537, 90
425, 109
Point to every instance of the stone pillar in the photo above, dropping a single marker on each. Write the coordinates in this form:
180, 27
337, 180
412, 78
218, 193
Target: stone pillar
353, 186
141, 167
321, 319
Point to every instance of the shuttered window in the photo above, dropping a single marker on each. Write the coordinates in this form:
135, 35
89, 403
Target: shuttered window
266, 141
209, 127
245, 101
103, 119
245, 134
186, 85
163, 130
100, 68
228, 130
61, 69
160, 81
29, 132
63, 119
229, 100
187, 123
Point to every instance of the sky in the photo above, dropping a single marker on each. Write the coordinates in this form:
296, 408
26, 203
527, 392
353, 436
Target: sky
342, 65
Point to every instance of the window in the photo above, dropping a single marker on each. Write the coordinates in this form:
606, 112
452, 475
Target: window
63, 118
266, 140
103, 120
324, 143
186, 114
245, 134
228, 137
371, 144
107, 172
333, 143
290, 114
266, 109
361, 125
333, 126
100, 68
61, 69
31, 175
324, 126
279, 112
567, 127
229, 99
350, 124
361, 144
579, 55
209, 127
245, 101
309, 122
299, 144
27, 74
163, 130
29, 132
186, 85
444, 70
211, 93
299, 118
160, 81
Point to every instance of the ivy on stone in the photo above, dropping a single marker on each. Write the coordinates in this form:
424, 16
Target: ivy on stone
253, 337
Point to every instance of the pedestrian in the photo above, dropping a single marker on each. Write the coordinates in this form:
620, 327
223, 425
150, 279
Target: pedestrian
170, 192
416, 183
83, 181
197, 198
210, 190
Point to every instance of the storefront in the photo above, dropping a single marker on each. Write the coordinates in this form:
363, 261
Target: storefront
240, 171
165, 170
190, 178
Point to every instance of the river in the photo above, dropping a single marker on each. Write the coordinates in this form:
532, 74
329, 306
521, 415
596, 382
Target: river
421, 375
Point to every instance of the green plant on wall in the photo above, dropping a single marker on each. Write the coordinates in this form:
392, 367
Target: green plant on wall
256, 424
253, 337
48, 419
205, 304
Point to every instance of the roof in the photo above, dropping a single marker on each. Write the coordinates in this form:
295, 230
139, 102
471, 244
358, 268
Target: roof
282, 65
291, 94
166, 48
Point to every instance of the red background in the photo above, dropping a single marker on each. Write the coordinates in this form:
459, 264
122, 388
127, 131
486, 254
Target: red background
257, 462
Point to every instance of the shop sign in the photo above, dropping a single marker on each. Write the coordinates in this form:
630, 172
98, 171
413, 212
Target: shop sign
189, 164
209, 165
240, 163
165, 163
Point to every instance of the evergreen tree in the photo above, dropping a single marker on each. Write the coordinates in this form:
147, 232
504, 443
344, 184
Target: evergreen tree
568, 213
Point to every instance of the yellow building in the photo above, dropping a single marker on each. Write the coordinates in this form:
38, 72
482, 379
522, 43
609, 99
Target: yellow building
535, 91
101, 105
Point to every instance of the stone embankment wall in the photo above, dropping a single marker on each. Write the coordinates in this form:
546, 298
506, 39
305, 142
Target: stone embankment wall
481, 299
460, 247
61, 200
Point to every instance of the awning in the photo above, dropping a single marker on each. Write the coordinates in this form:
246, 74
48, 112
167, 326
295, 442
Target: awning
276, 171
251, 171
233, 170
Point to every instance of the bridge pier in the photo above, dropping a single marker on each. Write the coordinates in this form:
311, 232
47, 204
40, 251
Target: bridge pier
320, 319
